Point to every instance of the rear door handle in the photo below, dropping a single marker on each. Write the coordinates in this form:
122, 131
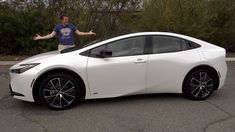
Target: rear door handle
138, 61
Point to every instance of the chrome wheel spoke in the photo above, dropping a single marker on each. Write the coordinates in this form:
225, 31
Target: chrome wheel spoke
200, 78
68, 94
66, 85
195, 89
49, 90
60, 100
207, 81
59, 83
55, 82
50, 96
207, 91
68, 90
202, 92
196, 95
209, 85
54, 100
53, 86
65, 99
194, 85
196, 80
205, 77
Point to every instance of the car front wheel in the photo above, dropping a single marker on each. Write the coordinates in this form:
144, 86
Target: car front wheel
59, 91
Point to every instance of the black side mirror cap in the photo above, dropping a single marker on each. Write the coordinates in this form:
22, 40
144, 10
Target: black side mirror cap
106, 53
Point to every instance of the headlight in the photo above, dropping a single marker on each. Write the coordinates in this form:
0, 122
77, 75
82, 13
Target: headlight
24, 67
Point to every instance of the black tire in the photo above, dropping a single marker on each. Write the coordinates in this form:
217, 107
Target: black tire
199, 84
60, 91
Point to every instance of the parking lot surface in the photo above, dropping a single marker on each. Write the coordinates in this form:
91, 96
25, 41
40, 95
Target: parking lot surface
142, 113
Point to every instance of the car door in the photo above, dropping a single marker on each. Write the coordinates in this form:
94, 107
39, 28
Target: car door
168, 64
121, 73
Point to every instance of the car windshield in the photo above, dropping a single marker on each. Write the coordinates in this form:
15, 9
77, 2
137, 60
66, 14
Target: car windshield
102, 39
90, 43
77, 48
93, 42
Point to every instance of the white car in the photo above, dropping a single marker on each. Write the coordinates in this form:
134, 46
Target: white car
137, 63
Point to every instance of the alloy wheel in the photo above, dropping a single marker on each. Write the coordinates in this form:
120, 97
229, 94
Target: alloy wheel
59, 92
201, 85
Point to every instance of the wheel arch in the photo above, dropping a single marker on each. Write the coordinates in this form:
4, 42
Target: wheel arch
40, 78
207, 67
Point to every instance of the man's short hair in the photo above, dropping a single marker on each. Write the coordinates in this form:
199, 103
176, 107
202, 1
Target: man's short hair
62, 16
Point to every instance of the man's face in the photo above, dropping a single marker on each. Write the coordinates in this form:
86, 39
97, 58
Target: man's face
65, 20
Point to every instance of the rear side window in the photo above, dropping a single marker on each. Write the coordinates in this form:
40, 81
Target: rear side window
190, 45
166, 44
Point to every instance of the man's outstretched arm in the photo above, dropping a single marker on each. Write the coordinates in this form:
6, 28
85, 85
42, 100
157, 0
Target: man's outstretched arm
84, 33
51, 35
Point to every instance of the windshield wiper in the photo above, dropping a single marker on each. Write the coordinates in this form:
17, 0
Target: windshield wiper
69, 50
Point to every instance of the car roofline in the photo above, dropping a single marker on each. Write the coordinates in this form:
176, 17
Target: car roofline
141, 34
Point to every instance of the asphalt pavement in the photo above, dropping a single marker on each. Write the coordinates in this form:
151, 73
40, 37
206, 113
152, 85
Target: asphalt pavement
142, 113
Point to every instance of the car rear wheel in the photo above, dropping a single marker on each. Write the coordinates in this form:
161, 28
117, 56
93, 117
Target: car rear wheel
199, 85
59, 91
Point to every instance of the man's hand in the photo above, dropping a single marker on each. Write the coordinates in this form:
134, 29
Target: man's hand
91, 32
37, 37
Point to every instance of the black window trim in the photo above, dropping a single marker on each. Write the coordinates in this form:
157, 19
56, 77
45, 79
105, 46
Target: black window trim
148, 46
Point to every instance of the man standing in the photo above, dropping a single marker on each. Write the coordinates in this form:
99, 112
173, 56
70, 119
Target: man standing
64, 32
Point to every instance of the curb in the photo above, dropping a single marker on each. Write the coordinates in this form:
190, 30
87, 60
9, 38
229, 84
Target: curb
14, 62
8, 62
230, 59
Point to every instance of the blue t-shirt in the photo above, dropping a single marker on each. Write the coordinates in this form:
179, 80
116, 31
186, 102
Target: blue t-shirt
65, 33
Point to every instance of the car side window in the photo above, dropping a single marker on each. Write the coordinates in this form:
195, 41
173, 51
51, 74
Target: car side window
190, 45
165, 44
96, 51
124, 47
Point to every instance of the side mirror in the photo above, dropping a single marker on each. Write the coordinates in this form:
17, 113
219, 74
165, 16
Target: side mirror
106, 53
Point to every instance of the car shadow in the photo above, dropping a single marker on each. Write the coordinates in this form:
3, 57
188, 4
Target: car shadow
169, 96
37, 107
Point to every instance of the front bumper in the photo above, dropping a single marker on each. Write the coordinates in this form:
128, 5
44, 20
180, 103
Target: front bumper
21, 85
12, 93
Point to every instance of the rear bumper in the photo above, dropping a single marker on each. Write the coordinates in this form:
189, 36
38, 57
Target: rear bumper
222, 71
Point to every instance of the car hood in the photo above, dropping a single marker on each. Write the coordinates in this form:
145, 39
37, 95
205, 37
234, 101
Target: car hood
39, 57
